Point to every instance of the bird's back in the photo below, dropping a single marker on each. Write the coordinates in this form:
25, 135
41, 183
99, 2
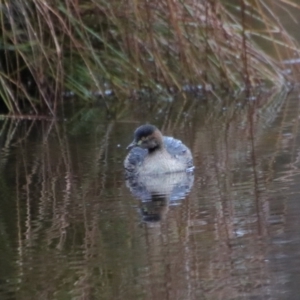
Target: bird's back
177, 150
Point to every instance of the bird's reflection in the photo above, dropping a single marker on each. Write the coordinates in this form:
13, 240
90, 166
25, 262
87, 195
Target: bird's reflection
159, 192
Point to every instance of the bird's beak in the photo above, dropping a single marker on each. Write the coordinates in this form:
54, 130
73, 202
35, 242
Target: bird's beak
131, 145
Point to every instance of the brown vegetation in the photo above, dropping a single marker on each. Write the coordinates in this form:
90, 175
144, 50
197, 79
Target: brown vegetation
50, 48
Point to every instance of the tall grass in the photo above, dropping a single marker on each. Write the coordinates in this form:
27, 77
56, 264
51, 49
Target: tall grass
85, 47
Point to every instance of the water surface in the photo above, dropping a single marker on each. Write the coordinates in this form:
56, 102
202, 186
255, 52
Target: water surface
71, 227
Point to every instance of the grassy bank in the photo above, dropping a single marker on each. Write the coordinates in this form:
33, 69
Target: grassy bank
88, 48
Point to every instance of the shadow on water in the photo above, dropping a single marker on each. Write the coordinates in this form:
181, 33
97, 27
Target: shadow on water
73, 228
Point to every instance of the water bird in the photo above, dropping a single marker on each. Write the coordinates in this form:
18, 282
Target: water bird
152, 153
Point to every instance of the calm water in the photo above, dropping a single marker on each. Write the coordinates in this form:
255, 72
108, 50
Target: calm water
71, 227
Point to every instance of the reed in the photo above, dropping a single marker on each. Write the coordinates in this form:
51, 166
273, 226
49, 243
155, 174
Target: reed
50, 48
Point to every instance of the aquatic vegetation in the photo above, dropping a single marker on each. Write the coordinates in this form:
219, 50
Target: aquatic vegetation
51, 49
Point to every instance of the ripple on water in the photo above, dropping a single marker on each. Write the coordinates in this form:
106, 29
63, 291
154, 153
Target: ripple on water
73, 228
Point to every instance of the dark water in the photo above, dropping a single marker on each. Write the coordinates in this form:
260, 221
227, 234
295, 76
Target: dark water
71, 227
